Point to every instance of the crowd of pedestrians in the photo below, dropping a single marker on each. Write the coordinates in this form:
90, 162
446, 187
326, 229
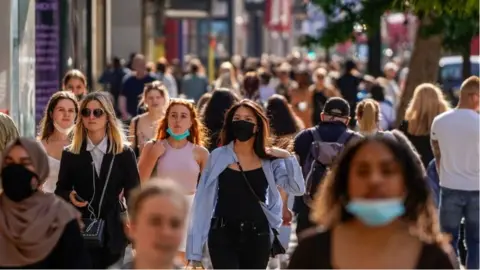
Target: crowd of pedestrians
165, 170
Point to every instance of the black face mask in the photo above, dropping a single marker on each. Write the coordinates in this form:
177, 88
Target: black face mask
16, 182
243, 130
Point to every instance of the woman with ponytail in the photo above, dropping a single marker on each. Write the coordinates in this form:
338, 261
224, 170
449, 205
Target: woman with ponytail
368, 116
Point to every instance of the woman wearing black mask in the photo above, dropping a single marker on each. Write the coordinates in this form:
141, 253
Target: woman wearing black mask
37, 230
237, 205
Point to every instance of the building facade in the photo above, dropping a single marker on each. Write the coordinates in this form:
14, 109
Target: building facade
17, 63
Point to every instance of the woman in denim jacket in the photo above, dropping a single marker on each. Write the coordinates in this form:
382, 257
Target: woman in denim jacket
226, 209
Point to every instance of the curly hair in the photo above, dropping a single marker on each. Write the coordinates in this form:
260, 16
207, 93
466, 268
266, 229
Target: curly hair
420, 212
197, 131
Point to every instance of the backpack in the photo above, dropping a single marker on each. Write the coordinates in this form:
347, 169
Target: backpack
321, 156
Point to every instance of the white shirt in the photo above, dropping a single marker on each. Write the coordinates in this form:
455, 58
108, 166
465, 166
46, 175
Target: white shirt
97, 152
458, 134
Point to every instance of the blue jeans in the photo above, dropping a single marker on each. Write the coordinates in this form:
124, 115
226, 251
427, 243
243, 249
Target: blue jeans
455, 205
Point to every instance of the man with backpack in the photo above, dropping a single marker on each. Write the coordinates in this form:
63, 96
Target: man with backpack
317, 149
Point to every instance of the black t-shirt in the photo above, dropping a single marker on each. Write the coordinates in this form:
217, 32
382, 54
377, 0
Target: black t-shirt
235, 199
319, 100
132, 88
421, 144
314, 252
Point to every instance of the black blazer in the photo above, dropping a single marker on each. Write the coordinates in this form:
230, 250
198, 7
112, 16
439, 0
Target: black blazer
77, 172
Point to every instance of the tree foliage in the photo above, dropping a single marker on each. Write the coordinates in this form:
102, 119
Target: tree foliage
457, 20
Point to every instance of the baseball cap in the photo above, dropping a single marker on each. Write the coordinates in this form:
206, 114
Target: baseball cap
336, 106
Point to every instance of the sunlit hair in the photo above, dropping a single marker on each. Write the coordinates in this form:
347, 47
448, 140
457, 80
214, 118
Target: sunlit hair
470, 86
116, 136
427, 102
8, 131
262, 136
368, 115
420, 211
153, 188
46, 128
197, 131
154, 86
73, 74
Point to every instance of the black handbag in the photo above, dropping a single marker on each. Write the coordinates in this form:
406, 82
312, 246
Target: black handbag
277, 247
94, 230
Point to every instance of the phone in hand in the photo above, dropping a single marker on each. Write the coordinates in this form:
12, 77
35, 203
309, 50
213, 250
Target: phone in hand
78, 198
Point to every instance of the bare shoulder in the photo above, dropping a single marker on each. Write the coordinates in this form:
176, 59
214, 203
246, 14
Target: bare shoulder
200, 151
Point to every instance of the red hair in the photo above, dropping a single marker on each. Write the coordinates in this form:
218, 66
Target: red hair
197, 130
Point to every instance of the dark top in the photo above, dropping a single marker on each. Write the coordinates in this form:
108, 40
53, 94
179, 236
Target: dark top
235, 200
329, 132
69, 253
319, 100
77, 172
421, 143
348, 86
314, 252
132, 88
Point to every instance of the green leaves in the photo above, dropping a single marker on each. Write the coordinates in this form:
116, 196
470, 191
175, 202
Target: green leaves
457, 20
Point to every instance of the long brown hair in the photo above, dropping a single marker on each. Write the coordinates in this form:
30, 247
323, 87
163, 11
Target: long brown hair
46, 128
197, 131
262, 137
420, 212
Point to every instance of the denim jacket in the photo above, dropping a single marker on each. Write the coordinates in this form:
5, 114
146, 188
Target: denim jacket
283, 172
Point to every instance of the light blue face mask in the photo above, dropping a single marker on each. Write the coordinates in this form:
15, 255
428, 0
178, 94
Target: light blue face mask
377, 212
178, 137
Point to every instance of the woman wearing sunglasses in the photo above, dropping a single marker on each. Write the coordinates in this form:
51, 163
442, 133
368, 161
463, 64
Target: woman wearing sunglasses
94, 170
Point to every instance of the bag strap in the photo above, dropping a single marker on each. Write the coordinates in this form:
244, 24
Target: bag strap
275, 232
135, 126
315, 134
345, 136
105, 186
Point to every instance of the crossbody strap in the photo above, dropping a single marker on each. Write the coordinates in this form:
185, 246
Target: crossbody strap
105, 186
252, 191
135, 126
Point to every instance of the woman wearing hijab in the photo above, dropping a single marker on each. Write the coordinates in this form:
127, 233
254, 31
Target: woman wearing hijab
37, 230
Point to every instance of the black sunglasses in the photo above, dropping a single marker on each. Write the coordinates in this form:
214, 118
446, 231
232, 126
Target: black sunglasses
86, 112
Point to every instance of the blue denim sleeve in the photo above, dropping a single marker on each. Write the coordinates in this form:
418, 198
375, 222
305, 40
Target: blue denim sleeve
201, 214
288, 175
433, 181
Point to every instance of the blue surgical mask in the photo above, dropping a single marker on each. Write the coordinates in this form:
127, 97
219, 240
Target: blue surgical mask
377, 212
178, 137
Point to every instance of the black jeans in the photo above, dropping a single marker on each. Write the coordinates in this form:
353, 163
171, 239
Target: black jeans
239, 245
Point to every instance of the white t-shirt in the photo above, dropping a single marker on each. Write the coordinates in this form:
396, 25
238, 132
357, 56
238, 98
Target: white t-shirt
458, 134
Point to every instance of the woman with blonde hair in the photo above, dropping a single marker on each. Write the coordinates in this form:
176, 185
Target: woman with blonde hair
8, 131
178, 151
76, 82
227, 78
142, 127
427, 102
368, 116
95, 169
55, 132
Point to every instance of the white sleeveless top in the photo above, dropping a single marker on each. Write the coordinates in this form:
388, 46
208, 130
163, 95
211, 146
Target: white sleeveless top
51, 182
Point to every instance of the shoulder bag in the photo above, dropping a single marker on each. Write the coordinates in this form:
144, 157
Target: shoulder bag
277, 247
94, 232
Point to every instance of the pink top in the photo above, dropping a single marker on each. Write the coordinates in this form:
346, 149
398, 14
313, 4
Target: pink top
180, 166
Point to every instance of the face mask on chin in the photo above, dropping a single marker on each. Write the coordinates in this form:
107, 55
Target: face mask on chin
376, 212
64, 131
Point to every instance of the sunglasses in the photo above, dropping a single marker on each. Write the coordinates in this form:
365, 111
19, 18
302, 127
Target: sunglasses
97, 113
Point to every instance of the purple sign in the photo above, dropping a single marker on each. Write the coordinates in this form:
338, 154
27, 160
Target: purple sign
47, 53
